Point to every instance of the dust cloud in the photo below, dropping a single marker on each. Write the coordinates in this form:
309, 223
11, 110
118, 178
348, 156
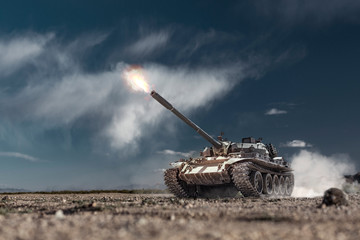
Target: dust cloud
315, 173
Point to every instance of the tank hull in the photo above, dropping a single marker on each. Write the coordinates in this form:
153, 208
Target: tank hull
217, 171
230, 175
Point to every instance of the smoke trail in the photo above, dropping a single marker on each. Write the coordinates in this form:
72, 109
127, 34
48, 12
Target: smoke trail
315, 173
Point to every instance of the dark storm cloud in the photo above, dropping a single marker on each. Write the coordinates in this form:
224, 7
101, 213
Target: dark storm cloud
316, 12
176, 44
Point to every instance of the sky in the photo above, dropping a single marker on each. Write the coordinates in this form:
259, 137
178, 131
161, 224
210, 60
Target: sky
284, 70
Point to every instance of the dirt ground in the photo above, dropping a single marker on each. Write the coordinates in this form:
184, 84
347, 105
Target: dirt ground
135, 216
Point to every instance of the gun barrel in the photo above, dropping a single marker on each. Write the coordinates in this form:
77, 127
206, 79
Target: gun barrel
168, 105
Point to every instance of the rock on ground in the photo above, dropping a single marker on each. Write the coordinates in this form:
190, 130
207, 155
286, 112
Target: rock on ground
335, 196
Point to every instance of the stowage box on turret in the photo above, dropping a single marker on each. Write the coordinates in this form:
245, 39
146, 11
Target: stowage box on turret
227, 168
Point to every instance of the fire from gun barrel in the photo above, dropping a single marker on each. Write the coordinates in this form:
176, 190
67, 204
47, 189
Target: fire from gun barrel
135, 78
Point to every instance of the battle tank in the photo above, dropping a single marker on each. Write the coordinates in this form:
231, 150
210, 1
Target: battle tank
226, 168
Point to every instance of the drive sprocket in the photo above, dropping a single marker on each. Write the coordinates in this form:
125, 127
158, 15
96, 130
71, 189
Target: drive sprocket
176, 186
240, 174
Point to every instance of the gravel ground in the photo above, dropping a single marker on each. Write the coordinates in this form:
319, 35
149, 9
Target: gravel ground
135, 216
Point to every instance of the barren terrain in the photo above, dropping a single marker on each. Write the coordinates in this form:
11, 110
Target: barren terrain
136, 216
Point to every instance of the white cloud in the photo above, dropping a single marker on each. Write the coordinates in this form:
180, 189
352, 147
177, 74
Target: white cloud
19, 155
19, 50
63, 92
174, 153
315, 173
149, 43
275, 111
187, 89
69, 98
296, 143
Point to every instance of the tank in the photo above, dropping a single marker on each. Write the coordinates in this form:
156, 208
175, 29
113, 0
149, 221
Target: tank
227, 169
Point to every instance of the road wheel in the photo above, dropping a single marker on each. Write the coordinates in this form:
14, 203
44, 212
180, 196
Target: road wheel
282, 186
276, 185
257, 181
268, 184
288, 187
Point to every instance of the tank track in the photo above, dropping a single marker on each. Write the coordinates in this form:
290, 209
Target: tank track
240, 174
174, 184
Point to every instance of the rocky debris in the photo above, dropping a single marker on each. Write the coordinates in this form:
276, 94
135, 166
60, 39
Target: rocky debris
92, 207
152, 216
335, 196
59, 214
